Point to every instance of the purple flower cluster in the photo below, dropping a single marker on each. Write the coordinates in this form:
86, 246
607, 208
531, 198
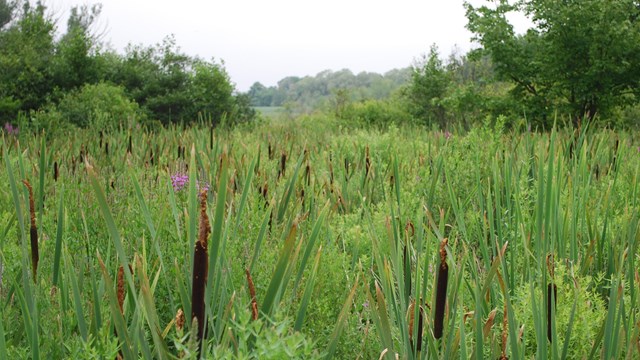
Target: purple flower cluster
180, 181
9, 129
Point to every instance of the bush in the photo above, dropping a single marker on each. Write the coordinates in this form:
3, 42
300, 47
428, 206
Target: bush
379, 113
102, 105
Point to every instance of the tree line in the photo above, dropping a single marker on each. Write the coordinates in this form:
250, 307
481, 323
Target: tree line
578, 62
49, 81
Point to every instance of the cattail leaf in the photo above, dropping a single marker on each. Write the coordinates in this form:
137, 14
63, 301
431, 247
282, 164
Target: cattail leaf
59, 233
306, 297
277, 279
77, 298
111, 225
310, 245
335, 336
116, 315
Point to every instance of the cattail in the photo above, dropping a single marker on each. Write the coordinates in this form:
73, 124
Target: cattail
120, 288
151, 160
130, 146
307, 174
367, 163
346, 169
101, 139
283, 164
252, 292
200, 269
270, 151
265, 194
411, 316
106, 148
330, 173
211, 138
441, 290
406, 262
33, 231
551, 288
55, 171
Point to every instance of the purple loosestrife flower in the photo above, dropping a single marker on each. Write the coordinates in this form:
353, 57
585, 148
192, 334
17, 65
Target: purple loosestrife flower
9, 129
179, 181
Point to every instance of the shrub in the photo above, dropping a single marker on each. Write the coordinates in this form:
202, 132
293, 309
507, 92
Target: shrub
102, 105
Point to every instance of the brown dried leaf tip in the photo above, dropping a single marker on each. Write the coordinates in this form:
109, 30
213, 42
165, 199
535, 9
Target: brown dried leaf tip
180, 320
120, 288
252, 292
411, 317
33, 231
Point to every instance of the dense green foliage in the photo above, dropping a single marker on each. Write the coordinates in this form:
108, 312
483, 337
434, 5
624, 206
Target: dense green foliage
41, 74
579, 58
341, 239
311, 92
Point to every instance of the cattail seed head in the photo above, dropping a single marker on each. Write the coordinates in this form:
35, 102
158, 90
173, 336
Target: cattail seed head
252, 293
441, 291
33, 231
55, 171
200, 269
120, 288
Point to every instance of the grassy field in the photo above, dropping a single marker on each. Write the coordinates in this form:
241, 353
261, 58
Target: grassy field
306, 240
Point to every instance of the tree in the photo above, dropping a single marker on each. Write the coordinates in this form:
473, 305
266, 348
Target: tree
26, 52
580, 57
428, 88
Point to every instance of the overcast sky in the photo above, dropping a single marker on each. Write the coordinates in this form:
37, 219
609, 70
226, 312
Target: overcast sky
267, 40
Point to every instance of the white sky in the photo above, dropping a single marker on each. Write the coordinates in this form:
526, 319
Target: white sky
267, 40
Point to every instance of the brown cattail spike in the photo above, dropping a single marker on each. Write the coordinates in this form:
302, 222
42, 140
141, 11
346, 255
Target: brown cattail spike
552, 293
33, 231
411, 317
130, 146
120, 288
55, 171
283, 164
252, 293
200, 268
367, 163
441, 291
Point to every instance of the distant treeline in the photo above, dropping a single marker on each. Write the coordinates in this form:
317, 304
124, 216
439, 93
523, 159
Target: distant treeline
48, 81
312, 91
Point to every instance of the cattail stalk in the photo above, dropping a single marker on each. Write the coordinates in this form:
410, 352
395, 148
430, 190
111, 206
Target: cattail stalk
252, 293
551, 288
441, 290
200, 269
33, 231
